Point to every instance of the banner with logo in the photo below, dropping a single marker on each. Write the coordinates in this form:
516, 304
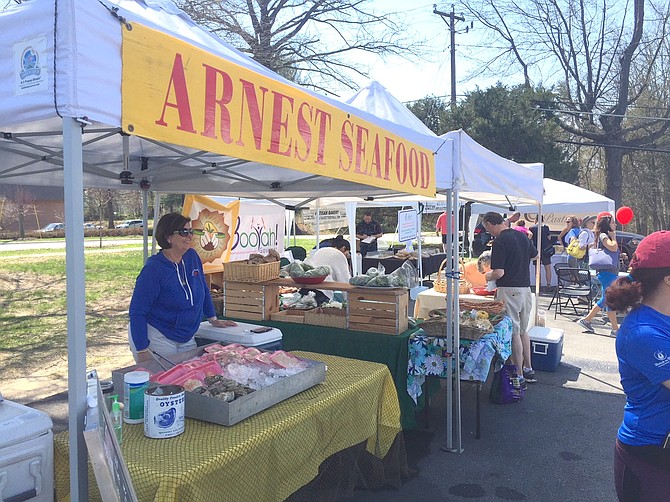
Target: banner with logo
178, 93
259, 228
213, 225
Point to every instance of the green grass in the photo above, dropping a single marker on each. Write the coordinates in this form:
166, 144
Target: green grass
33, 299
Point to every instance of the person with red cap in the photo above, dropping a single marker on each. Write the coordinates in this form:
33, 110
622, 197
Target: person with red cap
642, 450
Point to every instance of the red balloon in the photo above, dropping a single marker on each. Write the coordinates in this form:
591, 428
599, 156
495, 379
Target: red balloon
624, 215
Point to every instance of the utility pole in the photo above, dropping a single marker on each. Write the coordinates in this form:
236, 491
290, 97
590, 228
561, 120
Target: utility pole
452, 32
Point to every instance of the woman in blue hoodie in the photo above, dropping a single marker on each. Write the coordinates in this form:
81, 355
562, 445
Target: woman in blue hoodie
171, 296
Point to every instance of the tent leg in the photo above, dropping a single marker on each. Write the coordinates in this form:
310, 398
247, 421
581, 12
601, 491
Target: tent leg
76, 304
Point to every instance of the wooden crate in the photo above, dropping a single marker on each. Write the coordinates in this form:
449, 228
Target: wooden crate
252, 301
295, 316
378, 312
245, 272
321, 317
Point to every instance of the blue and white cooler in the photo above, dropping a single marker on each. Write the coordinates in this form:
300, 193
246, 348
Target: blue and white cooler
26, 453
249, 335
546, 347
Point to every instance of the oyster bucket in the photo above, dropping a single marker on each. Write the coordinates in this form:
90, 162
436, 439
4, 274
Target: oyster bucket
164, 411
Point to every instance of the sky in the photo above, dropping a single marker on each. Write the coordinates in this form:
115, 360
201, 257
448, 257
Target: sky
408, 80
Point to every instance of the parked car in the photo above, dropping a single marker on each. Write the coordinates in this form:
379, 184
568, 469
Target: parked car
92, 226
628, 242
52, 227
131, 224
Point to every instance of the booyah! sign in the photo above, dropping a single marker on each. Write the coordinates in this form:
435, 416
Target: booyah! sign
178, 93
259, 228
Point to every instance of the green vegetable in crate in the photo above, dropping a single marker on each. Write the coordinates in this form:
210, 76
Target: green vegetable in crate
301, 269
381, 281
359, 280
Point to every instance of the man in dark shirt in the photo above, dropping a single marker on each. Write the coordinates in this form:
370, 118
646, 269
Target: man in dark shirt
511, 253
368, 229
545, 252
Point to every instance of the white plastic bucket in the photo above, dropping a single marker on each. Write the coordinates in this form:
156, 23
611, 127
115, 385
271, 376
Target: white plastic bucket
164, 411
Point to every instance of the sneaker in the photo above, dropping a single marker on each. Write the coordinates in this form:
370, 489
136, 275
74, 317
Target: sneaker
522, 383
529, 376
614, 333
586, 325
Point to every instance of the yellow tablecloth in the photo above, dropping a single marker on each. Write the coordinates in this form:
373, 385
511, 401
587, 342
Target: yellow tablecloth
267, 456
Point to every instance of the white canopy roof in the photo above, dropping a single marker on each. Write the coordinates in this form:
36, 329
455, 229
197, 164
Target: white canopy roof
87, 82
477, 173
560, 197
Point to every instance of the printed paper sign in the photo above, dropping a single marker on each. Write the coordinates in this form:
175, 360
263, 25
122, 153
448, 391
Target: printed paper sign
407, 225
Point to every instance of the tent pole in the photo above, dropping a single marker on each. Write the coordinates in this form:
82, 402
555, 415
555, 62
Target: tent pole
73, 180
416, 206
145, 227
538, 264
450, 341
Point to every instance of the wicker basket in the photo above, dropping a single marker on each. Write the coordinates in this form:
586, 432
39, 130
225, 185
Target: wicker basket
241, 271
437, 327
492, 307
440, 284
471, 333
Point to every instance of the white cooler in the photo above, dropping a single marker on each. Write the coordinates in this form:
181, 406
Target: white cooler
240, 334
26, 453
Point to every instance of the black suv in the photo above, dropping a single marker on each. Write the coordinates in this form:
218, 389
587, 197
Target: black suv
628, 243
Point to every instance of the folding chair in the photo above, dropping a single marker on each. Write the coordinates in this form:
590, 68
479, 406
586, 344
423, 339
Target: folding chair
563, 264
573, 283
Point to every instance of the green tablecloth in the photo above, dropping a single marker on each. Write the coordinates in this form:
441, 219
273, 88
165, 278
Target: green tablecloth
391, 350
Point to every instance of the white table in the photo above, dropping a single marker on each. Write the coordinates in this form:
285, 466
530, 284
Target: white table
430, 299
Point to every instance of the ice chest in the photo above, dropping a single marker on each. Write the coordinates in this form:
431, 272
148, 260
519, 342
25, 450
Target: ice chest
546, 347
26, 453
270, 340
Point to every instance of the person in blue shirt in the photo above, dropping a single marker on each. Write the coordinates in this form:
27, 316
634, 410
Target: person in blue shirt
368, 229
642, 450
171, 296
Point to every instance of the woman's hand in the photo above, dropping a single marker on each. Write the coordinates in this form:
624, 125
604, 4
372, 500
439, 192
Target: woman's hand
222, 323
143, 356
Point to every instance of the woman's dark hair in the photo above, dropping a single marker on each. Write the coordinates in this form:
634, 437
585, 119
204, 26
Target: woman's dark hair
603, 224
168, 224
625, 292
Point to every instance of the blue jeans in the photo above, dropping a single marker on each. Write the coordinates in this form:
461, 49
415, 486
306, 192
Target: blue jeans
606, 278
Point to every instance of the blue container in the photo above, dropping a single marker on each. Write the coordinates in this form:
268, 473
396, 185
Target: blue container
546, 346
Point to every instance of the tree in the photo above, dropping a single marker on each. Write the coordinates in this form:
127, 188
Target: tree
600, 55
432, 111
313, 42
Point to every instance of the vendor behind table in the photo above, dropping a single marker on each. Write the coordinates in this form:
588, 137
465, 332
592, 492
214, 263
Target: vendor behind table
171, 296
368, 231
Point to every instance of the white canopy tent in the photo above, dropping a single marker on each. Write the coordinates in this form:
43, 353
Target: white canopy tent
476, 174
60, 123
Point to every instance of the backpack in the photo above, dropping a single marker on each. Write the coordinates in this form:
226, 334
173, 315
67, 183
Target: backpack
574, 250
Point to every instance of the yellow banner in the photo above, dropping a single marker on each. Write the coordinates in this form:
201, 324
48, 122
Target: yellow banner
178, 93
213, 225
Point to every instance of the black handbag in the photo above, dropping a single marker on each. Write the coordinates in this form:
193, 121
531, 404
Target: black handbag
549, 251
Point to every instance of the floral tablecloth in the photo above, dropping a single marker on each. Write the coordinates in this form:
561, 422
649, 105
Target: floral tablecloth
428, 356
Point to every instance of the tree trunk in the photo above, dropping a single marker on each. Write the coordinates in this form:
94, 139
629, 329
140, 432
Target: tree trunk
614, 174
110, 212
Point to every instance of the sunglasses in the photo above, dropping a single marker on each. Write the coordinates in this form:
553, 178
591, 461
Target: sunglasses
185, 232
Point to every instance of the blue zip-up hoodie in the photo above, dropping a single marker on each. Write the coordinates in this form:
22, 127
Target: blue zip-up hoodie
172, 297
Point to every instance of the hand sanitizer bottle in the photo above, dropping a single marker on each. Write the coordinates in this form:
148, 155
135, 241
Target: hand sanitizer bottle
117, 418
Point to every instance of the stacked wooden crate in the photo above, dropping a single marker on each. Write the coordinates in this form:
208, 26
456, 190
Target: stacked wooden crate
377, 311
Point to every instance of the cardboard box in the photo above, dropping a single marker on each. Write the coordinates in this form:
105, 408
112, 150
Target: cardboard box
546, 347
209, 409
